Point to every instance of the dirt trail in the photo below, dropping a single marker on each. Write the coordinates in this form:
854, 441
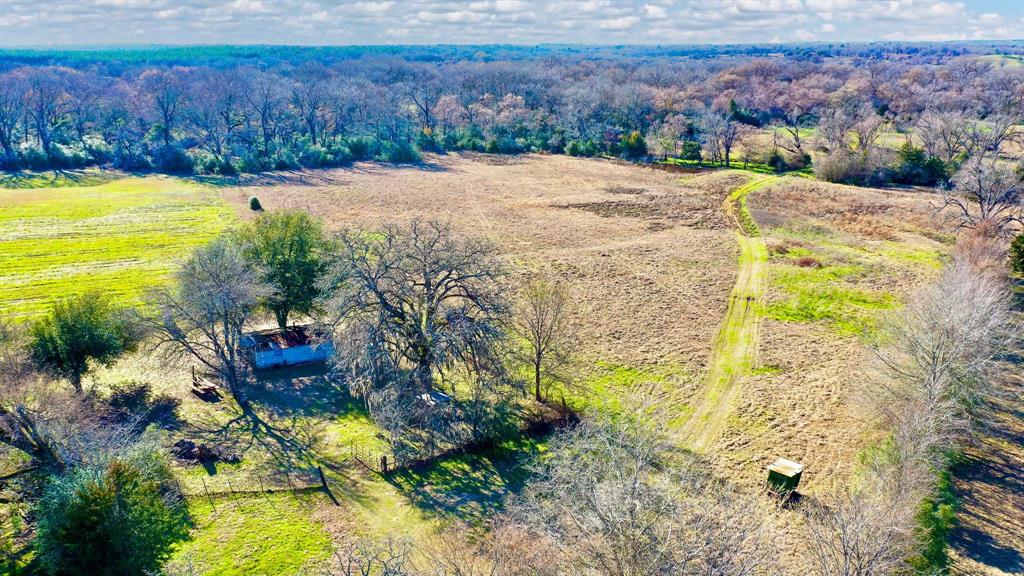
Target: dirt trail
735, 346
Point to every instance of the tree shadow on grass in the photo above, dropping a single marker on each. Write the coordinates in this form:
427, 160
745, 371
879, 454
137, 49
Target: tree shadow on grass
990, 486
470, 486
51, 179
299, 392
287, 442
284, 414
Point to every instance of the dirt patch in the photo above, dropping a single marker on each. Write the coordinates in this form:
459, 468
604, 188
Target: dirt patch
624, 190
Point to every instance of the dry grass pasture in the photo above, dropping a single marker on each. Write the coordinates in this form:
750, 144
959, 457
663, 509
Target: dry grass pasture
650, 259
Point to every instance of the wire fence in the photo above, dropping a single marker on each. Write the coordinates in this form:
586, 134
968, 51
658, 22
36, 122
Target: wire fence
221, 490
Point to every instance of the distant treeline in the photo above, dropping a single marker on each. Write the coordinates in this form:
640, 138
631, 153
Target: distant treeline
225, 109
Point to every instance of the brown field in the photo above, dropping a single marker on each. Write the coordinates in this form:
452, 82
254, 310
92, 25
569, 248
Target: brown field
650, 261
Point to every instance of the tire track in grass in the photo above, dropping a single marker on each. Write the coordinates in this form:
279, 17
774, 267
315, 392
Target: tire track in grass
735, 347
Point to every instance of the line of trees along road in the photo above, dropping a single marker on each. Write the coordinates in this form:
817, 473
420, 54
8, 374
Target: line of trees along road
309, 110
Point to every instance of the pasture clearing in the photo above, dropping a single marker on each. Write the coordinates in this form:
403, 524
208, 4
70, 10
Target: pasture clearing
62, 235
839, 258
650, 259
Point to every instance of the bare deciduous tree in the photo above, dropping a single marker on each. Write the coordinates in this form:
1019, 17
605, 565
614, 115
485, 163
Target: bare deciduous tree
985, 191
933, 391
860, 534
420, 300
542, 323
940, 351
722, 132
203, 314
943, 133
614, 499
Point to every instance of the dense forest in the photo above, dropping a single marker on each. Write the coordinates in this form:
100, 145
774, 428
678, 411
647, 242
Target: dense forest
225, 110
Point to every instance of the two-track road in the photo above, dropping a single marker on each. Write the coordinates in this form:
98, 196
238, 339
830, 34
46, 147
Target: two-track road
735, 347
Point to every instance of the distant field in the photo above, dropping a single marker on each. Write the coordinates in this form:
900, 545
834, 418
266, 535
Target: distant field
1003, 60
116, 234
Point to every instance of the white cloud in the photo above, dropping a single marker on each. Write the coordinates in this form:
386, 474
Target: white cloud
495, 21
653, 11
624, 23
372, 7
804, 35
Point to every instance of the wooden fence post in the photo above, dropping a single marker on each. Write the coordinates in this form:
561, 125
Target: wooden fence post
327, 489
207, 490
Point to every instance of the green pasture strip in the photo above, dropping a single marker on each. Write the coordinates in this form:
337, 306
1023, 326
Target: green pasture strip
827, 294
120, 237
735, 347
755, 167
832, 288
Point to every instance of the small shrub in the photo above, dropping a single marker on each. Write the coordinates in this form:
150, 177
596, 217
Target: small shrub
504, 145
254, 204
131, 160
34, 158
81, 331
400, 152
839, 166
777, 161
286, 161
582, 148
1017, 255
633, 145
73, 156
172, 160
470, 143
427, 141
914, 166
253, 163
340, 154
363, 147
315, 157
690, 151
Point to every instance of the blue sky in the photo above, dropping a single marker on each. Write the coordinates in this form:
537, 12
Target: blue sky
335, 22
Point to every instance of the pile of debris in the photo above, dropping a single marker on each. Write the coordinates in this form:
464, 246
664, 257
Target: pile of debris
192, 452
204, 388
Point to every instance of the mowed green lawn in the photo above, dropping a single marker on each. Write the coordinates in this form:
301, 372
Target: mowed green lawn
119, 236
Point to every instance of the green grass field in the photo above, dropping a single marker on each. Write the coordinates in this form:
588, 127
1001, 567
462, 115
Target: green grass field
118, 235
257, 535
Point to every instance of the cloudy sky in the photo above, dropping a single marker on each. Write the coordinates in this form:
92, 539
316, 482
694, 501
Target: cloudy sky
332, 22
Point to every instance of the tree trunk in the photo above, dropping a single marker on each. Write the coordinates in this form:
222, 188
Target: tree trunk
282, 317
536, 378
76, 382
